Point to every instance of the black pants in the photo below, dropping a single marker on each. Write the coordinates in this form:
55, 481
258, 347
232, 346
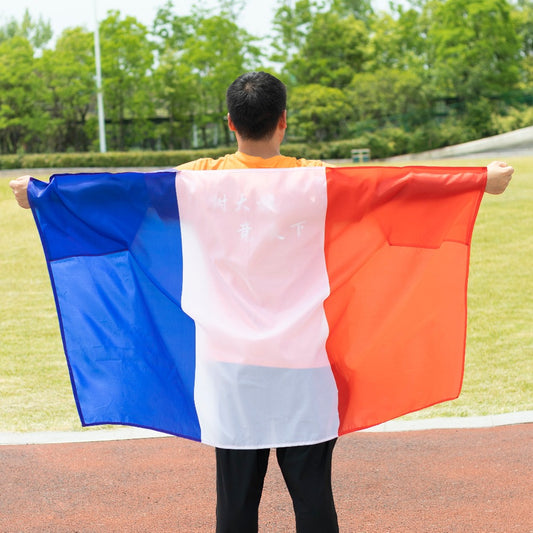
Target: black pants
307, 473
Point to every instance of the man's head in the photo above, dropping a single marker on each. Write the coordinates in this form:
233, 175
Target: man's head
256, 101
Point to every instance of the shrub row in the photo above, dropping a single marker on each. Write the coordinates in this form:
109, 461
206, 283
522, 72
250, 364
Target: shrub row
166, 159
386, 142
162, 159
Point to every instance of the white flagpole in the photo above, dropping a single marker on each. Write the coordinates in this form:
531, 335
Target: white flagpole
99, 93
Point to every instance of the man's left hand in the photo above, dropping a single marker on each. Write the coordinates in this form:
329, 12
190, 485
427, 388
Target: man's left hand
20, 190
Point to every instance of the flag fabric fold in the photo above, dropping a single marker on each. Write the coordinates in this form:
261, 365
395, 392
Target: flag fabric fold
260, 308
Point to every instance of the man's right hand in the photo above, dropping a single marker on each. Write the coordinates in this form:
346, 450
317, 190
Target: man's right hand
499, 175
20, 190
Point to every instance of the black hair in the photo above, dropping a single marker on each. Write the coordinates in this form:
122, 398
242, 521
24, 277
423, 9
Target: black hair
256, 102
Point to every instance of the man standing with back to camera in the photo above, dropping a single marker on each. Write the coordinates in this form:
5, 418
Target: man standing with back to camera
257, 114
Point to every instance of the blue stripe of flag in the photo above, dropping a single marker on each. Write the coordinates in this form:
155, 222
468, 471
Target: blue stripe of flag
113, 247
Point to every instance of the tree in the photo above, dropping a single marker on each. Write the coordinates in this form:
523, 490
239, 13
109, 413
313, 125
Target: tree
197, 60
216, 60
318, 113
174, 82
175, 89
291, 25
389, 96
38, 32
360, 9
473, 55
473, 47
68, 72
522, 17
22, 115
127, 59
334, 49
398, 41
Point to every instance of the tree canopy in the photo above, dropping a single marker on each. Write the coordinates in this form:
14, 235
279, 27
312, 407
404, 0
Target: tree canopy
435, 71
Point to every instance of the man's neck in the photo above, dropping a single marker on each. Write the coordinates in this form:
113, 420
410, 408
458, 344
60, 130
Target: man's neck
264, 149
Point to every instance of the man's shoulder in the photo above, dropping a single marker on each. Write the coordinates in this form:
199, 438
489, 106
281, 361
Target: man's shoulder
311, 163
239, 160
204, 163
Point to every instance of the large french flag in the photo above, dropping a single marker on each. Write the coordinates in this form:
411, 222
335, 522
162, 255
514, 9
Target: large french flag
260, 308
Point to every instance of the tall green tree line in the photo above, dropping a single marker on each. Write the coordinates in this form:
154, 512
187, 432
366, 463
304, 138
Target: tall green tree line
422, 74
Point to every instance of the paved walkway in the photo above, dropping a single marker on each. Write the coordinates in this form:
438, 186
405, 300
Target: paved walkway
435, 480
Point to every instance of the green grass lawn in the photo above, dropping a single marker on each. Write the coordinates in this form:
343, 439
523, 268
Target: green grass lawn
35, 393
499, 355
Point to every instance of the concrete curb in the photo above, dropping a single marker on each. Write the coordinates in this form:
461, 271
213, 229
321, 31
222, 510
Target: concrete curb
517, 143
457, 422
127, 433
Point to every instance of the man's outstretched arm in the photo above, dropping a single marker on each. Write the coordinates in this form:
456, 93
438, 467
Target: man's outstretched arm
499, 175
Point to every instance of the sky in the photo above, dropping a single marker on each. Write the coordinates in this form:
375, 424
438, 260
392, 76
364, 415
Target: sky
62, 14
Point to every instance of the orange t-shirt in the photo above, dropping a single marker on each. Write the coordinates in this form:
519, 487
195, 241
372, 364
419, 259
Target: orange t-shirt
241, 160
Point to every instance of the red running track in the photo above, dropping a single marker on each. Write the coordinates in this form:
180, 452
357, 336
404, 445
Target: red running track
465, 480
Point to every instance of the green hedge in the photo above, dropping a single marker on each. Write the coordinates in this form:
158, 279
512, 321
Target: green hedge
164, 159
384, 143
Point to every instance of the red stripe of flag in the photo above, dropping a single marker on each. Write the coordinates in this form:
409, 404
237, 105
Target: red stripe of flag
398, 277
